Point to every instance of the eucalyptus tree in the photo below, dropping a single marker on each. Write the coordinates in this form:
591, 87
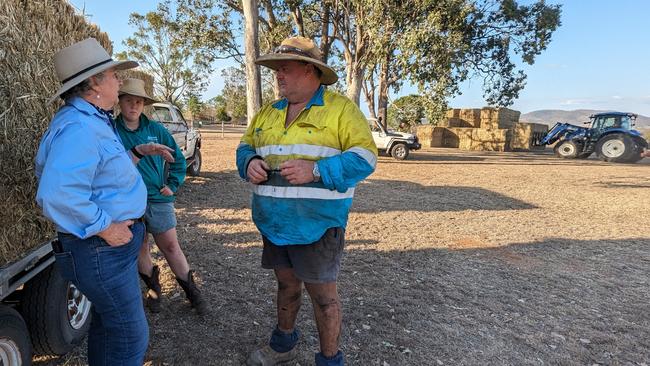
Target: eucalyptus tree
176, 65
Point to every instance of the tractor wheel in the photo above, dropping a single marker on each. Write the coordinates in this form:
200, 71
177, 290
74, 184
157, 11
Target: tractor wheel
400, 151
618, 148
567, 149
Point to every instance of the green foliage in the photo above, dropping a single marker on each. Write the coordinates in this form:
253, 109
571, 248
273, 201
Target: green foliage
179, 68
194, 104
406, 111
219, 103
439, 44
234, 91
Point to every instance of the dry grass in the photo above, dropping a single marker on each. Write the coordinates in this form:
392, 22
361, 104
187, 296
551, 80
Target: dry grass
30, 33
454, 258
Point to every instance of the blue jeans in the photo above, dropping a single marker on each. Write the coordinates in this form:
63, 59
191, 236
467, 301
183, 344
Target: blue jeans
108, 276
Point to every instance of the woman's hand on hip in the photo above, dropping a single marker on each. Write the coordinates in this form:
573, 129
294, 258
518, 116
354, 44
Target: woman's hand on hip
166, 191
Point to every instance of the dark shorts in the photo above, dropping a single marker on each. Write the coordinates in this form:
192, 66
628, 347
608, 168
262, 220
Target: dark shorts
318, 262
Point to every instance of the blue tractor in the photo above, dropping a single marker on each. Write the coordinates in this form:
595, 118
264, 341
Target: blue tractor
610, 136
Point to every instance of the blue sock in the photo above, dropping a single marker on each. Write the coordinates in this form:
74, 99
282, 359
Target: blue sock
283, 342
336, 360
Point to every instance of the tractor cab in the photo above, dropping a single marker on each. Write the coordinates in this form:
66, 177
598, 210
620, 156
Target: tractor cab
603, 121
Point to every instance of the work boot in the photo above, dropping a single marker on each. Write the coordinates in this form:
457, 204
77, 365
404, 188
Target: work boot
154, 293
281, 348
193, 293
266, 356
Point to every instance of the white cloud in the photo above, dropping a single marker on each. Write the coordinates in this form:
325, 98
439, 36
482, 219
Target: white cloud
618, 97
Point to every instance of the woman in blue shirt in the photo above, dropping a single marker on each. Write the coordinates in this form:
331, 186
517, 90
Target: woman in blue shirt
91, 190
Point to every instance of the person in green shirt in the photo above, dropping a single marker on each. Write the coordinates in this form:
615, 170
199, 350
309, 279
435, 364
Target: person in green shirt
162, 183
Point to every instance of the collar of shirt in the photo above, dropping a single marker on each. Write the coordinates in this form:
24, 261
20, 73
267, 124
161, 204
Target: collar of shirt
88, 108
316, 99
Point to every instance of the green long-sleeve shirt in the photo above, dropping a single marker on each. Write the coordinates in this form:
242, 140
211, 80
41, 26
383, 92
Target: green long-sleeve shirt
152, 168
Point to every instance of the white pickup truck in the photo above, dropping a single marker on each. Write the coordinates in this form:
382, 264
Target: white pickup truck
187, 137
396, 144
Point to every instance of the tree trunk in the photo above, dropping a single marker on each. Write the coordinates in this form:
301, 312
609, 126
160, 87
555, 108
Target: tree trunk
369, 92
253, 77
296, 14
382, 102
354, 79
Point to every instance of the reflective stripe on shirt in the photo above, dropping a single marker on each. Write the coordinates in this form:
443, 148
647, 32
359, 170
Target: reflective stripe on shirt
301, 192
297, 149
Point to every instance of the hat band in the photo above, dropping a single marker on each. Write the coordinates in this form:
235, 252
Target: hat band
86, 69
294, 50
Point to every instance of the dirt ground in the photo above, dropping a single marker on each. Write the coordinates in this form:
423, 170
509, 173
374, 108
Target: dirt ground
452, 258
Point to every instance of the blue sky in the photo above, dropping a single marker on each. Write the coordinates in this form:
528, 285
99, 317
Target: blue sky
598, 59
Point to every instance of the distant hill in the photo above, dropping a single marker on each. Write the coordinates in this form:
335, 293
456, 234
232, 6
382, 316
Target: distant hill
550, 116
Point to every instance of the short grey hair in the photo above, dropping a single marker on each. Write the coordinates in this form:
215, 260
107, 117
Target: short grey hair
81, 88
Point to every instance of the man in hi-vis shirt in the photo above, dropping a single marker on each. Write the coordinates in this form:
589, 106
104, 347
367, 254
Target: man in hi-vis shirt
304, 154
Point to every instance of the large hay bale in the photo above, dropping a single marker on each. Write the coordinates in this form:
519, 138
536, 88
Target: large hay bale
470, 117
452, 136
424, 134
484, 140
31, 32
498, 118
525, 136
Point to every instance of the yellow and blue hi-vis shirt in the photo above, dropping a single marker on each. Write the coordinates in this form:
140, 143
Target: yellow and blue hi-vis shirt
332, 131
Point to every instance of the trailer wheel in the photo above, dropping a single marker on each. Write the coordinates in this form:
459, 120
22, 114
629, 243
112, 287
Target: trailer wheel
567, 149
57, 313
15, 349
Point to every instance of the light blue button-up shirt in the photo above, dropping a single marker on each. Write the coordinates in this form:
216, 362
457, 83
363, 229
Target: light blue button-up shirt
86, 178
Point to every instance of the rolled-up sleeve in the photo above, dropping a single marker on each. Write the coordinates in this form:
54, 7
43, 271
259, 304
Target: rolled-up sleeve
65, 185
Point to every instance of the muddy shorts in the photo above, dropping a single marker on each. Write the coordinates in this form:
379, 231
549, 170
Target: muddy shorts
318, 262
159, 217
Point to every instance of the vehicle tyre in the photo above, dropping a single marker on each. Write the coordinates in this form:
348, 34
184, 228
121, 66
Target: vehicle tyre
195, 168
399, 151
58, 315
618, 148
15, 349
567, 149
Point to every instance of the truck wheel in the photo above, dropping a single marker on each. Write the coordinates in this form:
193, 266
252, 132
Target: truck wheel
56, 312
195, 168
400, 151
15, 349
617, 148
567, 149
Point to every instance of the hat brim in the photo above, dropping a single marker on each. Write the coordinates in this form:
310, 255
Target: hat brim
273, 60
118, 65
147, 99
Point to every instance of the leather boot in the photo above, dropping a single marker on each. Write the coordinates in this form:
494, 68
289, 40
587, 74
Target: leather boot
154, 293
193, 293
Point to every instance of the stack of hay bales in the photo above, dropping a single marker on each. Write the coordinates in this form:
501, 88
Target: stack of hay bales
526, 136
487, 129
31, 32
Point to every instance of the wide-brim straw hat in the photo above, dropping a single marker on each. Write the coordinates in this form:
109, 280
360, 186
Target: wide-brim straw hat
299, 49
82, 60
135, 87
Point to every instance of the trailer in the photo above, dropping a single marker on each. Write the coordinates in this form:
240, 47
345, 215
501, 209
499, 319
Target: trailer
41, 313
